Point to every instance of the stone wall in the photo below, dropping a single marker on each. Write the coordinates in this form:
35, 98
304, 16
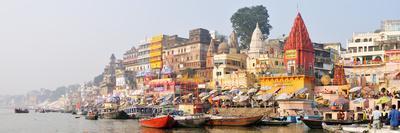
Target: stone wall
247, 111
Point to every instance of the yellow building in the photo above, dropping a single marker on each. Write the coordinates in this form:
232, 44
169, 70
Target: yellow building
156, 51
286, 84
237, 80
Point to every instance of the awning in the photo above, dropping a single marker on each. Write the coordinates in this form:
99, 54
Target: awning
264, 97
301, 91
283, 96
355, 89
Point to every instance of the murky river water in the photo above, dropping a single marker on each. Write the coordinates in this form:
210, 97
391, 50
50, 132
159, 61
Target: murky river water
67, 123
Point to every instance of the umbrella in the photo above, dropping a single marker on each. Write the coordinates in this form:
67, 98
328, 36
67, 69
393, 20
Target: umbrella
203, 94
253, 90
359, 100
265, 88
383, 100
264, 97
225, 97
235, 91
216, 98
355, 89
341, 101
243, 98
282, 96
213, 91
301, 91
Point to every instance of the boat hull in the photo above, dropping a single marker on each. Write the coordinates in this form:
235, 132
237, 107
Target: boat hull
317, 124
274, 123
92, 117
115, 115
238, 121
158, 122
21, 111
191, 122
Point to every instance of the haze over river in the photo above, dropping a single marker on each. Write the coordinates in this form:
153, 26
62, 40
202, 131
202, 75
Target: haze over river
67, 123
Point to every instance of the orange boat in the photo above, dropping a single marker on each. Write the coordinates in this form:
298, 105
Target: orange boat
158, 122
233, 120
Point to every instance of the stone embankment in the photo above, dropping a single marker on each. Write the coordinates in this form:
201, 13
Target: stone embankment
268, 112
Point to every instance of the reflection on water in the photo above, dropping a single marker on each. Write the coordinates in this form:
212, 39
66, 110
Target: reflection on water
67, 123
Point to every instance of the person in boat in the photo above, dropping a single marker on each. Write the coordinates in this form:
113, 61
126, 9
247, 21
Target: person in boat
394, 116
376, 118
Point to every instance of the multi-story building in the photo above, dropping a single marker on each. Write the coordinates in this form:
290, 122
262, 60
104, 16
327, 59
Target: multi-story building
130, 59
325, 59
141, 62
156, 49
369, 55
227, 61
189, 54
108, 84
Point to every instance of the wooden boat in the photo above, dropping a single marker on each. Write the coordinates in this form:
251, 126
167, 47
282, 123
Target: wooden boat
190, 121
331, 128
233, 121
114, 115
165, 121
274, 123
92, 116
313, 123
21, 110
317, 124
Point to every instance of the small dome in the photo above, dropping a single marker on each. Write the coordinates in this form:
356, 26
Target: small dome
223, 48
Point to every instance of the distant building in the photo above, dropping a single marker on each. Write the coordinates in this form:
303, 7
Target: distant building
369, 55
189, 54
390, 25
108, 84
227, 61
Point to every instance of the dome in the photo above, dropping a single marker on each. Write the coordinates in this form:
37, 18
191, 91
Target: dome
223, 48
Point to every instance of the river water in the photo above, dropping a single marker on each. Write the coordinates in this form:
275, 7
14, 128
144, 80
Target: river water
67, 123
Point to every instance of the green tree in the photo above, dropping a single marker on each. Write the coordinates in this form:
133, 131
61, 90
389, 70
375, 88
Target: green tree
244, 22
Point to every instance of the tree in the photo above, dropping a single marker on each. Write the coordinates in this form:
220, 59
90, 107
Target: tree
244, 22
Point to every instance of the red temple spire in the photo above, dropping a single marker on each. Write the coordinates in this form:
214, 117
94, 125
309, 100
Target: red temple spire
298, 37
299, 51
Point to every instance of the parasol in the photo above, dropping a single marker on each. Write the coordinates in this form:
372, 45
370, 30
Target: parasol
355, 89
301, 91
264, 97
283, 96
383, 100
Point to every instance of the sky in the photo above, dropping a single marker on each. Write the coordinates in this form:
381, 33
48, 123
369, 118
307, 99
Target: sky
51, 43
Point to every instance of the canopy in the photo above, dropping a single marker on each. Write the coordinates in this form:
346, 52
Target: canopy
234, 91
301, 91
203, 94
383, 100
341, 101
283, 96
253, 90
264, 97
265, 88
243, 98
213, 91
359, 100
225, 97
355, 89
216, 98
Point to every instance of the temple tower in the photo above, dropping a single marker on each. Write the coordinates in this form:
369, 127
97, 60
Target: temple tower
299, 51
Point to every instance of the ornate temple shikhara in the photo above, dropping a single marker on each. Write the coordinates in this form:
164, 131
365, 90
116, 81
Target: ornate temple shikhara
299, 63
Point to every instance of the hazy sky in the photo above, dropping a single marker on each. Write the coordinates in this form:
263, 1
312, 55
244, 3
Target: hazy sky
50, 43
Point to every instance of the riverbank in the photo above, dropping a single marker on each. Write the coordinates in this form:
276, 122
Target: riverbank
248, 112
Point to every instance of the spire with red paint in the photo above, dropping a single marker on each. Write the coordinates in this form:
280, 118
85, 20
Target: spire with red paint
299, 51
